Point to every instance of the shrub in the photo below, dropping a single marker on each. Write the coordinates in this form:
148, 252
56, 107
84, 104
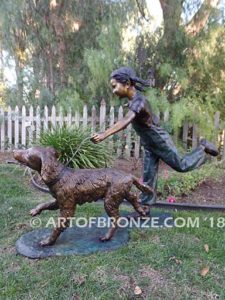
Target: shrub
75, 147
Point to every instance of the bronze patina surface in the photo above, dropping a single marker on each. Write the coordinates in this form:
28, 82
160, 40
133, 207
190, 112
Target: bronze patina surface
70, 187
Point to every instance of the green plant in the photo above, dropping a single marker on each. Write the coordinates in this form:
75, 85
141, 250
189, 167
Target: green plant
75, 147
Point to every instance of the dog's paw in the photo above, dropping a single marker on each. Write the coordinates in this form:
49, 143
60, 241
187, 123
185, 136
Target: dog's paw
104, 239
46, 242
34, 212
143, 214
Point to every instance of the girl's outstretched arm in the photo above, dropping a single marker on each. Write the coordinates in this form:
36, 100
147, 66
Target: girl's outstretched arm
118, 126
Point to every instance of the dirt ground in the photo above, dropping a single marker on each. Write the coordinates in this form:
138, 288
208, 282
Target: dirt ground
209, 192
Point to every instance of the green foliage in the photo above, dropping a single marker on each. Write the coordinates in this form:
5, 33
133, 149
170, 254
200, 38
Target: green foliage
69, 98
3, 91
205, 68
188, 109
188, 70
102, 60
75, 147
158, 101
52, 51
178, 184
165, 70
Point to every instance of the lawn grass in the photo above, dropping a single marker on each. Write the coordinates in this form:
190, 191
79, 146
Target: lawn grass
164, 263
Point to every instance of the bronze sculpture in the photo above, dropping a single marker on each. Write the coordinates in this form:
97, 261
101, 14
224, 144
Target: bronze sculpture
70, 187
156, 141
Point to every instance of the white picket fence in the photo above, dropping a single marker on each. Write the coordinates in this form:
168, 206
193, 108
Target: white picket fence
20, 128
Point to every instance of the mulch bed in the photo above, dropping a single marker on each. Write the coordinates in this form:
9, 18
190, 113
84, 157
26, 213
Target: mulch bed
208, 192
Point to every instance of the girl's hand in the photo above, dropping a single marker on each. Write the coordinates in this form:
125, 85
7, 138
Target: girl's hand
97, 137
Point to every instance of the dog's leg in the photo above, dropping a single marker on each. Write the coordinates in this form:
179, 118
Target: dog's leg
63, 223
112, 210
132, 198
51, 205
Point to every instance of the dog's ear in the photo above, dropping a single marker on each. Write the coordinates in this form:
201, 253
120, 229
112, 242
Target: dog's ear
53, 151
49, 164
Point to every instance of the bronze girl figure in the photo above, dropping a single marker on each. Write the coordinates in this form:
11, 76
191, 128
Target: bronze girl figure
156, 141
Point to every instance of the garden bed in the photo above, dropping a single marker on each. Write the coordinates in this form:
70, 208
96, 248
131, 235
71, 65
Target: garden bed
210, 192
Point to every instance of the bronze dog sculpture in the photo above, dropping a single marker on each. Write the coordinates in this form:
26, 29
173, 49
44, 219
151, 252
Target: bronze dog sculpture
70, 187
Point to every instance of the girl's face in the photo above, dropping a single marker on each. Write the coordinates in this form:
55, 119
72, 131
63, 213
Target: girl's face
119, 89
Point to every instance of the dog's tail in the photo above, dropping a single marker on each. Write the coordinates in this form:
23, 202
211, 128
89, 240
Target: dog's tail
142, 187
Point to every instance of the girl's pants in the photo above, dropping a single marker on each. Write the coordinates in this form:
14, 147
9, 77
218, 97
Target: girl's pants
158, 145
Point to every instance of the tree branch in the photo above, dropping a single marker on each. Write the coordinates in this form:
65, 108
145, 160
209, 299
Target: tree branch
141, 10
201, 17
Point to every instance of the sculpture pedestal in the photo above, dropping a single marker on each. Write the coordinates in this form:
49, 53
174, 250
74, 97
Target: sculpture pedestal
83, 240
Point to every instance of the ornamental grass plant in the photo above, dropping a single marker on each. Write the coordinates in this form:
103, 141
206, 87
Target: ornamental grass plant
75, 147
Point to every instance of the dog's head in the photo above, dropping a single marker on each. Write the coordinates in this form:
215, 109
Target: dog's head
43, 160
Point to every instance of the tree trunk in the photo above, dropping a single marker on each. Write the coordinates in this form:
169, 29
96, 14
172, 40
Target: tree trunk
20, 59
2, 64
50, 72
172, 10
19, 79
200, 19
